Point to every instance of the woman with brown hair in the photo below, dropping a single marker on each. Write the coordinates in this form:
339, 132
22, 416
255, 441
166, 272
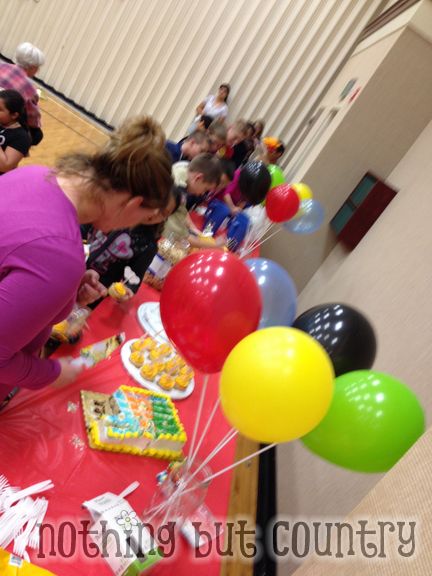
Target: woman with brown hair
42, 266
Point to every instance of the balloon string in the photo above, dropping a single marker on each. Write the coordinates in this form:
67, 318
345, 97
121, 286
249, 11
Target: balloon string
160, 507
204, 432
249, 245
248, 239
228, 468
253, 245
250, 233
225, 440
262, 241
259, 239
198, 416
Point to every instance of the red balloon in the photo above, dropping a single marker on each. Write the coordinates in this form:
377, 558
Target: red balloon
209, 302
282, 203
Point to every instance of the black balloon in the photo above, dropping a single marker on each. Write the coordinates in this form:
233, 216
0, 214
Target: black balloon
344, 332
254, 182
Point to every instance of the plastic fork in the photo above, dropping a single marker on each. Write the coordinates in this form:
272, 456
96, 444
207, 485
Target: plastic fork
3, 483
35, 534
14, 520
21, 541
12, 497
131, 488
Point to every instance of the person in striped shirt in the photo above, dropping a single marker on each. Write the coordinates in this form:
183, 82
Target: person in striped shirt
18, 77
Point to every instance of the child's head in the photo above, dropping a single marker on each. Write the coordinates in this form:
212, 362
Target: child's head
217, 134
236, 133
274, 149
204, 174
250, 130
259, 128
203, 123
12, 108
195, 144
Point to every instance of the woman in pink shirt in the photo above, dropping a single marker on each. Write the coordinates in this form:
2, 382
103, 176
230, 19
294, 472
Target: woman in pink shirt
42, 267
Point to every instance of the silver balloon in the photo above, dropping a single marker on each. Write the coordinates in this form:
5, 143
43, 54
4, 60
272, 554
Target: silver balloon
310, 218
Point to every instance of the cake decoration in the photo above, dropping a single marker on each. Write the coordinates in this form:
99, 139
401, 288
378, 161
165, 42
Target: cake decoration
135, 421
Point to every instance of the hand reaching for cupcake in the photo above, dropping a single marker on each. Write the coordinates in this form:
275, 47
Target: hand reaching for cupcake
90, 289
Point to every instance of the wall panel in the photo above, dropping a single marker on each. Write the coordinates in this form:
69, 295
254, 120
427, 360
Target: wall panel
122, 57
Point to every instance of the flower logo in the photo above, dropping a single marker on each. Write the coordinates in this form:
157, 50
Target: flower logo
127, 520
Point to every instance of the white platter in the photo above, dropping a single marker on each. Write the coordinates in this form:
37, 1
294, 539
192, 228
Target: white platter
150, 320
135, 373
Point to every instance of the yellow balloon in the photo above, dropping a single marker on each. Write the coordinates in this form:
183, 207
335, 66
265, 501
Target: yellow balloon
276, 385
303, 191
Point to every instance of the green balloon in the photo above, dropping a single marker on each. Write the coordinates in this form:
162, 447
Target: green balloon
277, 176
372, 421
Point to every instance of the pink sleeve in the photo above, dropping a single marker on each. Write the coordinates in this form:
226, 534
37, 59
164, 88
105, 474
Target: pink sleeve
231, 189
37, 287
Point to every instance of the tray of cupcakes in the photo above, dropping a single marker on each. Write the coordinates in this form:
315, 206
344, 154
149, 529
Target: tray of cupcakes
158, 367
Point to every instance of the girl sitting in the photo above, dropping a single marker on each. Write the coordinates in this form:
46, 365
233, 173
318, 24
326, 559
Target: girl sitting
14, 137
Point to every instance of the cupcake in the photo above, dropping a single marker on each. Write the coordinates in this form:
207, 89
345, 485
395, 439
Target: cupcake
138, 345
159, 367
148, 372
117, 290
164, 349
171, 366
186, 370
137, 358
166, 382
155, 354
177, 360
182, 382
149, 343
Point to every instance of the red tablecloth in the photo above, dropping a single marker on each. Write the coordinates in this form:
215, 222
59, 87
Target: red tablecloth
42, 435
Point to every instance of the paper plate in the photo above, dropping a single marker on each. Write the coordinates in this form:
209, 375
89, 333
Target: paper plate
150, 385
150, 320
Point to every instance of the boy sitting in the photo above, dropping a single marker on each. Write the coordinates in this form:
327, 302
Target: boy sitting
248, 187
193, 179
188, 148
236, 148
217, 135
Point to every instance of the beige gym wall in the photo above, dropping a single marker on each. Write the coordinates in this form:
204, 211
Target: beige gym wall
123, 57
370, 134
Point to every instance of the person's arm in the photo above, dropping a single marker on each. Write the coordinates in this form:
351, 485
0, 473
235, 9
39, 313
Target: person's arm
206, 242
233, 208
200, 108
192, 227
9, 159
39, 286
17, 146
90, 289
